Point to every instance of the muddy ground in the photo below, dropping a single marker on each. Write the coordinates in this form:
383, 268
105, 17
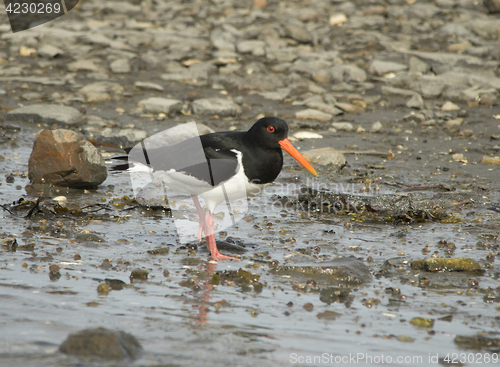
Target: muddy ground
313, 286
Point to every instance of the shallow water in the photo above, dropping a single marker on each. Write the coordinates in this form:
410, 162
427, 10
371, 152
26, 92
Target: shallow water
208, 325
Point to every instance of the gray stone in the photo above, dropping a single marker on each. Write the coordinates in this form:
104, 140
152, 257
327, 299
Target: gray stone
416, 101
215, 106
325, 156
86, 65
309, 67
450, 106
347, 73
379, 67
251, 46
50, 51
100, 91
283, 54
318, 105
493, 6
377, 127
161, 105
298, 32
47, 113
101, 343
223, 40
345, 126
130, 134
120, 66
418, 66
279, 95
398, 92
65, 158
149, 86
431, 90
312, 114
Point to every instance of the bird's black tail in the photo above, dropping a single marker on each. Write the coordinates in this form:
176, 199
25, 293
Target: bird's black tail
121, 166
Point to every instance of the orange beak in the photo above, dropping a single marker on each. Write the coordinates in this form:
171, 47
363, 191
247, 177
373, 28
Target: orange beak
290, 149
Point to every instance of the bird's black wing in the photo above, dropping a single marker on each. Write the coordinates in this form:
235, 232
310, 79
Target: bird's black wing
209, 158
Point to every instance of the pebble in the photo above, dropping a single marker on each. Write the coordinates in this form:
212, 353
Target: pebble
493, 6
298, 32
46, 113
120, 66
454, 122
377, 127
215, 106
343, 126
312, 114
450, 106
348, 107
379, 67
101, 91
302, 135
85, 65
65, 158
49, 51
325, 156
139, 274
161, 105
337, 19
148, 86
416, 101
490, 160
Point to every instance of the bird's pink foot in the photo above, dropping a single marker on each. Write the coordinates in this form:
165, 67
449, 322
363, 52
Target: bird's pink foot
211, 244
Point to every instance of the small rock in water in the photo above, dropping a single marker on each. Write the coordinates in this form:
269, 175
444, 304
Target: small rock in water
47, 113
441, 265
102, 343
422, 322
65, 158
139, 274
103, 289
325, 156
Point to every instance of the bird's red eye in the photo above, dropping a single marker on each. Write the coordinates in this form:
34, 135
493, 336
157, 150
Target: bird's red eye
270, 129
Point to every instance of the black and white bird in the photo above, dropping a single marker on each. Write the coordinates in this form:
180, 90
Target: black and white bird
236, 164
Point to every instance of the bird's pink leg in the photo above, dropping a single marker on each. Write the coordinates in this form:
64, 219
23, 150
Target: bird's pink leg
211, 244
201, 216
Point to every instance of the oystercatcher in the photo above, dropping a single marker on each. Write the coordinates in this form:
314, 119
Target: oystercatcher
236, 164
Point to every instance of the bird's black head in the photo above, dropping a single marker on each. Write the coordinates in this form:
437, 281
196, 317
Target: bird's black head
268, 132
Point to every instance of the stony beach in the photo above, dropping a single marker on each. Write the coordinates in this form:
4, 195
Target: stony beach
392, 256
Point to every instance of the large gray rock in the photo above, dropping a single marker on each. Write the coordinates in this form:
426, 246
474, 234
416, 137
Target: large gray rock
47, 113
65, 158
102, 343
215, 106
